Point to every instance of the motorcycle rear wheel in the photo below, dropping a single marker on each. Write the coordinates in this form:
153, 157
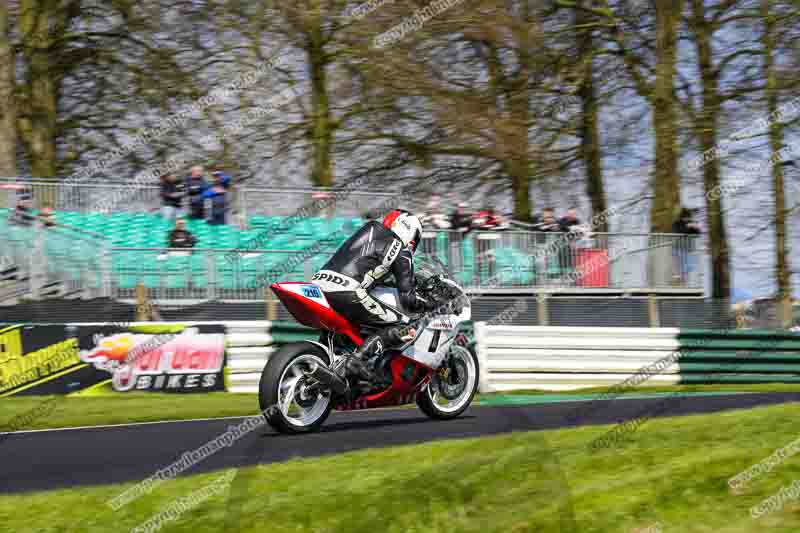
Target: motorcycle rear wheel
289, 404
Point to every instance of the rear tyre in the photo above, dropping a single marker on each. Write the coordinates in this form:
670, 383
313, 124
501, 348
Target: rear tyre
288, 399
453, 386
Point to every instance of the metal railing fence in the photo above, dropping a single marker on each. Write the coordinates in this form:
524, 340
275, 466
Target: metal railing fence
247, 201
480, 261
63, 254
522, 259
209, 274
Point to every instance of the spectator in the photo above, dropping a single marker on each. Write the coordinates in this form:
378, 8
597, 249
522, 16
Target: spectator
686, 224
180, 237
571, 225
489, 219
479, 219
551, 244
684, 247
370, 215
434, 217
218, 193
47, 216
570, 222
196, 185
502, 221
172, 192
461, 220
547, 223
23, 214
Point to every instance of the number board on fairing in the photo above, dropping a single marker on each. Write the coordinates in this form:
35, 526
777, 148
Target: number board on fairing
312, 292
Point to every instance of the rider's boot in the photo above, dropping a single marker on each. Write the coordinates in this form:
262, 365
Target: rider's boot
358, 363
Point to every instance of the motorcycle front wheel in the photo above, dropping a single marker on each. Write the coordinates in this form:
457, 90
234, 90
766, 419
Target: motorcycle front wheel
453, 387
289, 399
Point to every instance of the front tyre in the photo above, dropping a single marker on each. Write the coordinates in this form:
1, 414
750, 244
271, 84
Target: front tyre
290, 400
453, 386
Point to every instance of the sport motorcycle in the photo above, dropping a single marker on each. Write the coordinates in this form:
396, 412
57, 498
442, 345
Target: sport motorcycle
303, 382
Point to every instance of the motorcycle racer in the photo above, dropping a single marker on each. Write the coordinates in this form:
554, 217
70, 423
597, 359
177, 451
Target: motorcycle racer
373, 253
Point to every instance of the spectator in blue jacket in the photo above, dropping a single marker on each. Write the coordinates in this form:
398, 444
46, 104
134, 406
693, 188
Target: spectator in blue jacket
196, 185
218, 193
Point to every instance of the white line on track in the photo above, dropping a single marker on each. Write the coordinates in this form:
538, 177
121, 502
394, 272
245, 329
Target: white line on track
130, 424
154, 422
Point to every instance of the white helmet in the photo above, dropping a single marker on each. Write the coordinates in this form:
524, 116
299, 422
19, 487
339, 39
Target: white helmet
406, 226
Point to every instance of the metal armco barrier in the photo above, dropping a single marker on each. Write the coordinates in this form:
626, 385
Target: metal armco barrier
566, 358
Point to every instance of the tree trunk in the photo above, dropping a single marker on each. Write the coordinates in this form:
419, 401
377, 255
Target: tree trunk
590, 136
8, 120
322, 125
666, 204
782, 273
41, 87
516, 159
520, 178
706, 128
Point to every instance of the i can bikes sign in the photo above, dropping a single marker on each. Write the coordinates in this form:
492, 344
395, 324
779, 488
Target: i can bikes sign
189, 361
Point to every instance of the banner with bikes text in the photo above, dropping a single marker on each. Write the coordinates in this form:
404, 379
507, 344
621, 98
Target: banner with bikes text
111, 358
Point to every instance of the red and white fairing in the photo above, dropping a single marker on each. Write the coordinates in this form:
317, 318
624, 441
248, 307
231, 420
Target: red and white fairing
308, 305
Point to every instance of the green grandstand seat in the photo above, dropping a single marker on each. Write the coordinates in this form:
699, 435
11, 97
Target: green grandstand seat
318, 261
257, 220
198, 268
511, 267
177, 280
468, 253
442, 247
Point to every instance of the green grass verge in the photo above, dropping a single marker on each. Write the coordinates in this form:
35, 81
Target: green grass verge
116, 408
672, 471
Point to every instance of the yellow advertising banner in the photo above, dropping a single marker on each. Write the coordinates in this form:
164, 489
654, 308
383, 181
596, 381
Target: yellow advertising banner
18, 368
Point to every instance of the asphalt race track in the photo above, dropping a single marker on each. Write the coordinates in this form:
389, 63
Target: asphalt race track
65, 458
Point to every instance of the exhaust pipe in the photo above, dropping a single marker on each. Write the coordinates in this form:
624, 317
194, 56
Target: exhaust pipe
329, 378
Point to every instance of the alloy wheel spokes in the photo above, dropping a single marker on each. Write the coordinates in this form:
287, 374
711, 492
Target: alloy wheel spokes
461, 374
298, 408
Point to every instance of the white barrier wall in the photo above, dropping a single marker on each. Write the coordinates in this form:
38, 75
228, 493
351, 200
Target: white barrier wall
510, 357
566, 358
248, 348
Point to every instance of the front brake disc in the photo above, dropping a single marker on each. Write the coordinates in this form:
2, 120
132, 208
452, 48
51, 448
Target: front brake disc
452, 385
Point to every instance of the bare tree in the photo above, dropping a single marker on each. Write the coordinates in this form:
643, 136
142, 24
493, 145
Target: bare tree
706, 121
776, 140
8, 126
647, 42
466, 99
41, 23
589, 118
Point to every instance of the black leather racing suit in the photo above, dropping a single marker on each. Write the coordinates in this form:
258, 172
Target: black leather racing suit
367, 257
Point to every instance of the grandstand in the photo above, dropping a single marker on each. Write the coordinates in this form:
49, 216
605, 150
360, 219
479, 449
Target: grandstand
131, 247
93, 253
